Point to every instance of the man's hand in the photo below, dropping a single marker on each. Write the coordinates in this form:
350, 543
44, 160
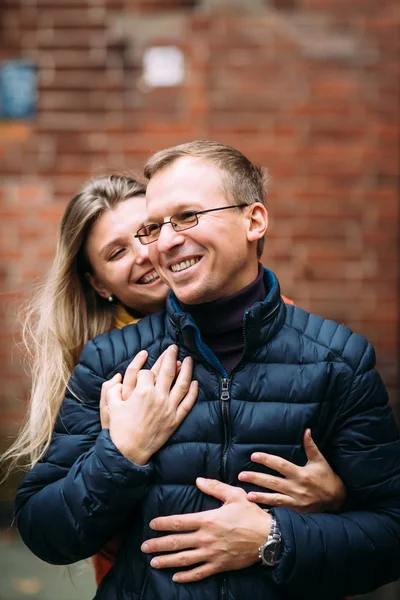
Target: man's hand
312, 488
223, 539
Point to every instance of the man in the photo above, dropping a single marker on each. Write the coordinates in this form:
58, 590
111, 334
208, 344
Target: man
266, 372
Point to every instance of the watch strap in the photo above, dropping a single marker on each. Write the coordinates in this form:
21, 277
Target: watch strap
274, 543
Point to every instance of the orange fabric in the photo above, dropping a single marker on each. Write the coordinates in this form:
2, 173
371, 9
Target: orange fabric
287, 300
104, 560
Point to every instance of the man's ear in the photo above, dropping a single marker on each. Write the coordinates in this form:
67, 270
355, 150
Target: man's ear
97, 285
258, 222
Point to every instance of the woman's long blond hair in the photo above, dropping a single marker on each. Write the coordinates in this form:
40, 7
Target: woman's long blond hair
65, 313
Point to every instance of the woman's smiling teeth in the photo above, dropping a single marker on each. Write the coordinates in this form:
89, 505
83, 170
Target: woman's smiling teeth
184, 264
149, 277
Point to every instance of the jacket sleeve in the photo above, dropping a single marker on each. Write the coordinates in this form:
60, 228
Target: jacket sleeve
331, 556
82, 491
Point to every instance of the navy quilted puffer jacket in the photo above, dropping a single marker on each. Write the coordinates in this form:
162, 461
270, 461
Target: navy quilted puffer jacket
298, 371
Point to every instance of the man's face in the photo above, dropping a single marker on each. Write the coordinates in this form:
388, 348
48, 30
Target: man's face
219, 258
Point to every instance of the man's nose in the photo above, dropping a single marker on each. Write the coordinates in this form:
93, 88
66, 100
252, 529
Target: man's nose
169, 238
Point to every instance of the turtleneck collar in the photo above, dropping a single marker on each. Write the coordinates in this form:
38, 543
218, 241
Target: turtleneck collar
221, 322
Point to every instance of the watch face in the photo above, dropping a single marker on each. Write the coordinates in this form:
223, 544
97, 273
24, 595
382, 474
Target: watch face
271, 552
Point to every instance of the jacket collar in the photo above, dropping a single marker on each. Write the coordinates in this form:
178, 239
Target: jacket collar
261, 322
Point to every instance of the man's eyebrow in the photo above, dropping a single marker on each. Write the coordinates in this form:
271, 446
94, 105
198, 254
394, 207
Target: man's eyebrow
179, 209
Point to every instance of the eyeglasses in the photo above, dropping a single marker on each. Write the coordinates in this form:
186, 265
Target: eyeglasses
181, 221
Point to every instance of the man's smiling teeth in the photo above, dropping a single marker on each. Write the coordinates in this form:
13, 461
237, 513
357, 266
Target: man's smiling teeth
150, 277
184, 265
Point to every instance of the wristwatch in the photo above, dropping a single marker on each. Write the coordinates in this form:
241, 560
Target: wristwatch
270, 552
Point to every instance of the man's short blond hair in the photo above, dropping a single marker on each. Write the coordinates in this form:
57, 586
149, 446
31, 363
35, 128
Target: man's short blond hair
242, 182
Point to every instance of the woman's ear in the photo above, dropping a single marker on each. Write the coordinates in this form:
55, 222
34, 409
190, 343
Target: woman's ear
258, 222
97, 285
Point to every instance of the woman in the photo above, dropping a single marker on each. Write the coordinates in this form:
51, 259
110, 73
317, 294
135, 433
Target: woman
102, 278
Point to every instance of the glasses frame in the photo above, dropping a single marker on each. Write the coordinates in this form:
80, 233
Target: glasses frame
174, 225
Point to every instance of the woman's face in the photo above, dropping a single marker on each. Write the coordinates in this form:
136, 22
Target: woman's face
120, 263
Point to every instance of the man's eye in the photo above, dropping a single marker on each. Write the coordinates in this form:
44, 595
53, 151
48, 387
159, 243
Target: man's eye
187, 216
151, 229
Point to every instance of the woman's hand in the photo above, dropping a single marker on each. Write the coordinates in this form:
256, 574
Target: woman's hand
129, 383
107, 385
146, 409
309, 489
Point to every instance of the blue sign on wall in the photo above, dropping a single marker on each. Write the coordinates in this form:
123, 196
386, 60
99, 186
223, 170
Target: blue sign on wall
18, 89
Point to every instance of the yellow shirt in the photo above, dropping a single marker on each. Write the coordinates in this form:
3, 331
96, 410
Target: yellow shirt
123, 318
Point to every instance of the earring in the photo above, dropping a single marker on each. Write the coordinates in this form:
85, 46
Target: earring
110, 298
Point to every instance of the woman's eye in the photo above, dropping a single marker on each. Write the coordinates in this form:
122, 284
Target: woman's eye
116, 254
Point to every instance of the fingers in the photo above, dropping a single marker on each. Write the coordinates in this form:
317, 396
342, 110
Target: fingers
170, 543
156, 368
167, 371
104, 416
196, 574
107, 385
157, 365
190, 522
311, 448
180, 559
272, 499
222, 491
187, 403
278, 484
182, 384
131, 373
276, 463
114, 395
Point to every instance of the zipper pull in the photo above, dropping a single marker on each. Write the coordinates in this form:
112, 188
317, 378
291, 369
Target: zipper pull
225, 389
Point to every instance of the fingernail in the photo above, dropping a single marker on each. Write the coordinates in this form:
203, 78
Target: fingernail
144, 548
176, 578
142, 352
243, 476
251, 496
200, 480
151, 525
154, 563
255, 456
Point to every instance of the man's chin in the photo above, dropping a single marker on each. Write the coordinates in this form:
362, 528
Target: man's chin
187, 296
192, 295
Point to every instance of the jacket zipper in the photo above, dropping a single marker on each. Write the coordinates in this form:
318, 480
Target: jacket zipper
225, 397
223, 590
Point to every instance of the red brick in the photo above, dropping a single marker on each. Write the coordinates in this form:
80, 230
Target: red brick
328, 130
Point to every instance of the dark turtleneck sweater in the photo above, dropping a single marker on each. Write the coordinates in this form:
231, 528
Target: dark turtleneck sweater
221, 322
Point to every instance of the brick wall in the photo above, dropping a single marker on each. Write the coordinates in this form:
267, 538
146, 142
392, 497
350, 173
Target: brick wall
309, 88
